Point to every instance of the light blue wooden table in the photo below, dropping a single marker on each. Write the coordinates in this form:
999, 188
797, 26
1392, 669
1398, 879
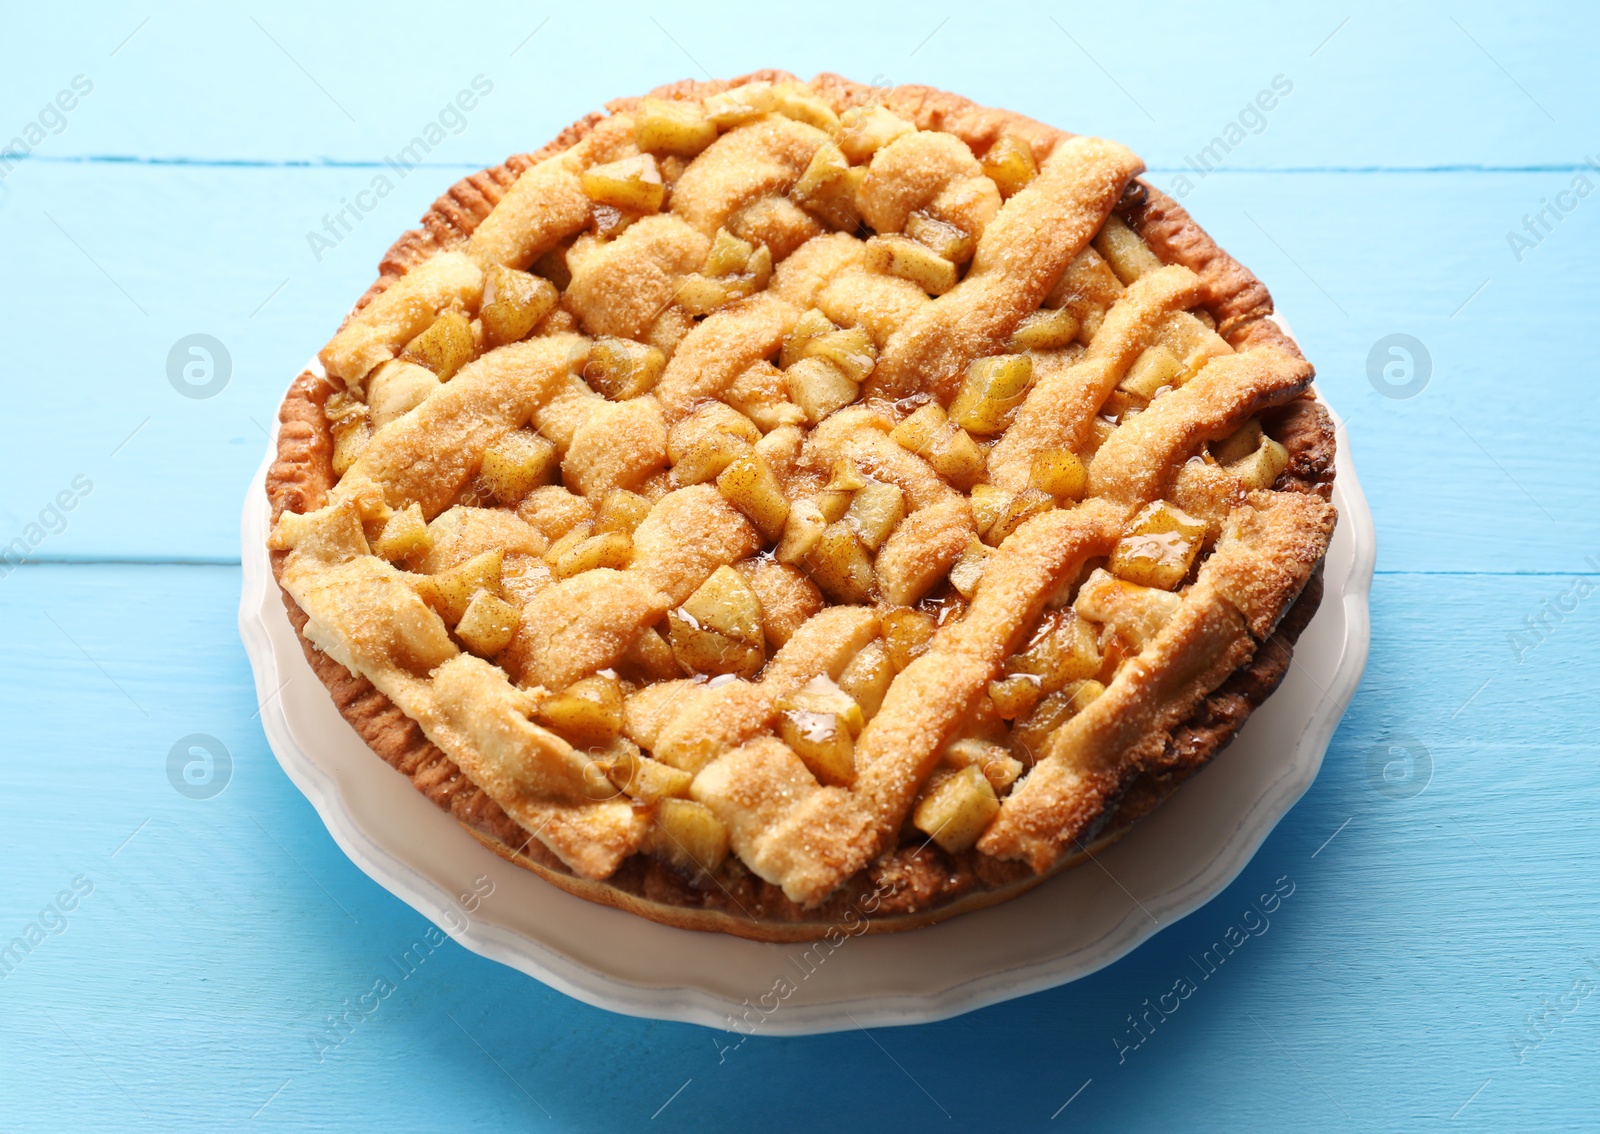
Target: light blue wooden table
1438, 963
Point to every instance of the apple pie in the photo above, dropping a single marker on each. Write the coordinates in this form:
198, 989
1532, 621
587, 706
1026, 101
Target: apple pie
779, 505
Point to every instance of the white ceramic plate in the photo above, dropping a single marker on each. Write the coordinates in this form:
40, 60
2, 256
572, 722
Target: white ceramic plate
1167, 866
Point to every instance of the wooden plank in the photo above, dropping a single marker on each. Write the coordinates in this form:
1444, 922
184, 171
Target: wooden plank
1484, 470
191, 985
1373, 84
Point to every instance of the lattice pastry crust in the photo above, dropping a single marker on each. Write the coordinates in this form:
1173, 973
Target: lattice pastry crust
772, 500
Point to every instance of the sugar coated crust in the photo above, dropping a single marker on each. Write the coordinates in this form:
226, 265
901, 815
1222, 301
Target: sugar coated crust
1077, 800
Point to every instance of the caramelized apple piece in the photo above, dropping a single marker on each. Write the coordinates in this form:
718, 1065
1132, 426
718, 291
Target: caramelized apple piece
1045, 330
396, 388
708, 456
811, 324
647, 780
488, 624
852, 351
874, 511
820, 722
688, 835
587, 712
1065, 648
906, 634
565, 542
733, 269
740, 105
994, 387
951, 451
612, 549
955, 808
820, 388
1239, 444
718, 628
610, 222
351, 432
827, 188
833, 503
513, 304
1134, 613
450, 591
516, 464
1015, 695
750, 485
1192, 338
622, 369
901, 256
1158, 547
1086, 289
966, 572
649, 659
1024, 506
1262, 468
802, 531
1060, 473
1153, 369
989, 504
846, 477
633, 183
840, 565
864, 130
1129, 256
998, 766
1028, 737
674, 127
445, 347
621, 511
792, 100
405, 533
761, 393
867, 677
1010, 165
917, 431
947, 241
729, 255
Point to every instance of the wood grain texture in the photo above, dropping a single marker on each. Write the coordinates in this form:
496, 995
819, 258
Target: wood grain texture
1470, 474
1414, 978
217, 941
1425, 93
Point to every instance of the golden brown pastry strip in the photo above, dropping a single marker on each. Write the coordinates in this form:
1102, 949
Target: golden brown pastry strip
586, 623
801, 277
861, 434
1022, 253
746, 163
728, 715
428, 455
1063, 402
363, 614
923, 169
547, 203
1139, 460
1262, 559
830, 833
721, 348
621, 287
1086, 760
404, 310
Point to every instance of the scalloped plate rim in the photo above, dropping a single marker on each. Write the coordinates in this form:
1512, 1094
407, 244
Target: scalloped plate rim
684, 995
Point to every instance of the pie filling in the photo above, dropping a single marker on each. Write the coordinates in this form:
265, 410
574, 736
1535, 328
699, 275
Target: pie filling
765, 481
